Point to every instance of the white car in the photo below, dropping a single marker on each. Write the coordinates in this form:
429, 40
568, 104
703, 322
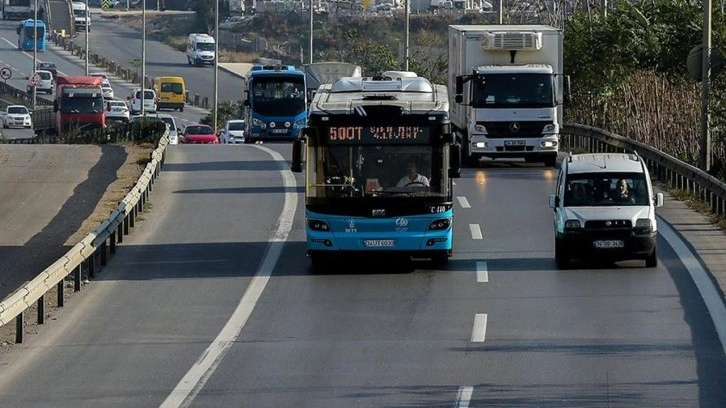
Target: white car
234, 131
99, 74
149, 101
17, 116
45, 82
116, 110
173, 129
604, 207
107, 89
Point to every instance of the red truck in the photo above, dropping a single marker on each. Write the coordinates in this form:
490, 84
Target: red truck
78, 107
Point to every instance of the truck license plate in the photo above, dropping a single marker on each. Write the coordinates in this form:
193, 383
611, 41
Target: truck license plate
379, 243
515, 142
609, 244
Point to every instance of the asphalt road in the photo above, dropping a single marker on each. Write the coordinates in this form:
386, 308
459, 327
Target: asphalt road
21, 63
501, 326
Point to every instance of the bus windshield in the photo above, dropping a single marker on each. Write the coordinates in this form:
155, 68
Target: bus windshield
378, 171
513, 90
278, 95
81, 104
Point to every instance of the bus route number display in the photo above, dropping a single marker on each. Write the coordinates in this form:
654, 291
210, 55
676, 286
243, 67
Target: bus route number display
378, 134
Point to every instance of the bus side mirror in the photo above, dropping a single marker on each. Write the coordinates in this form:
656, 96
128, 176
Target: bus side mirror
297, 153
246, 102
455, 161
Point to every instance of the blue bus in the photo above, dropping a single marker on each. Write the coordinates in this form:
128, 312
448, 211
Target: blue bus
31, 31
275, 101
379, 160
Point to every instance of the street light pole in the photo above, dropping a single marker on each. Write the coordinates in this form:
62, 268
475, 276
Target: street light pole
310, 52
216, 64
143, 56
35, 55
88, 21
406, 41
705, 153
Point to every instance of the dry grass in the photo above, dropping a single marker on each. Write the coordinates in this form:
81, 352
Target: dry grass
236, 56
695, 203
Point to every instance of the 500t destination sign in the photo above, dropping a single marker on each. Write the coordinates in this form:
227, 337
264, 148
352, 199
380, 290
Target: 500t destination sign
378, 134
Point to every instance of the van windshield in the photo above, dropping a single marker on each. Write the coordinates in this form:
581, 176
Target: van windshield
205, 46
606, 189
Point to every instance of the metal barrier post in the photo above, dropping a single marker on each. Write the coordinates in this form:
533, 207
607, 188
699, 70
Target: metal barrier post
41, 310
91, 266
77, 278
126, 223
103, 253
61, 293
19, 323
113, 242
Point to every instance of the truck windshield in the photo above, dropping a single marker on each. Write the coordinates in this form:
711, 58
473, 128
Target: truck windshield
81, 104
377, 171
606, 189
513, 90
278, 95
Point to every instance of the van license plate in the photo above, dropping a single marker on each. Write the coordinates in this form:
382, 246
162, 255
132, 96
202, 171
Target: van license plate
515, 142
609, 244
379, 243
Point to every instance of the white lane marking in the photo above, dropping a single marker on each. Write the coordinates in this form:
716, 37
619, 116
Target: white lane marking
475, 231
193, 381
711, 297
482, 274
479, 332
204, 261
463, 202
464, 396
453, 182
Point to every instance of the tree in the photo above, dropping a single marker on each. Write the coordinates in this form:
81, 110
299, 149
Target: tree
227, 111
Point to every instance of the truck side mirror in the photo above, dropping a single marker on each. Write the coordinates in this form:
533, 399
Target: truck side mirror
55, 105
459, 86
566, 91
455, 161
297, 150
458, 98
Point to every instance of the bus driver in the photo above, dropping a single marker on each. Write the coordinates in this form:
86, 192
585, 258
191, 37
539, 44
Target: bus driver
413, 178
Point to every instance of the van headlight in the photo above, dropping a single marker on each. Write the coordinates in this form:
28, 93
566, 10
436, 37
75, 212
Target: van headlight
573, 225
643, 226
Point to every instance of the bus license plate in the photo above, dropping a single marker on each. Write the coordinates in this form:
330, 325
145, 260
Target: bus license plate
515, 142
279, 130
379, 243
609, 244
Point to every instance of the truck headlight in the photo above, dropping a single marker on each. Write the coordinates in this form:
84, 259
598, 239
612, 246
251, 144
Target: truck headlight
549, 143
480, 128
481, 145
549, 128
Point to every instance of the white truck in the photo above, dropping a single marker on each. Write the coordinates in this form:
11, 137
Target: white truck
17, 9
81, 16
507, 88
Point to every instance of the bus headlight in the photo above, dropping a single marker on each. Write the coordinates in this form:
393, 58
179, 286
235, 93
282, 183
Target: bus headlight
317, 225
441, 224
257, 122
300, 123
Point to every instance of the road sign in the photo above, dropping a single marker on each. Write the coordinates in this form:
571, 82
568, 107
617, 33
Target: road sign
105, 4
35, 80
6, 73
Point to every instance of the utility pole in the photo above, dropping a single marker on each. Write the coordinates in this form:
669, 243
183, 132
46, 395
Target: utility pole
35, 56
310, 57
501, 12
143, 56
88, 22
407, 40
705, 153
216, 64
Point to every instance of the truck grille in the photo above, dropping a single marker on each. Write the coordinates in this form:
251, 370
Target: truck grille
513, 129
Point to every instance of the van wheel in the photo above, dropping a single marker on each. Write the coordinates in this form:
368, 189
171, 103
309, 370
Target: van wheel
652, 260
561, 256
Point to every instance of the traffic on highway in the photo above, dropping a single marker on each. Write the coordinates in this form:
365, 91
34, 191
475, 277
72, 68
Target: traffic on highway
361, 254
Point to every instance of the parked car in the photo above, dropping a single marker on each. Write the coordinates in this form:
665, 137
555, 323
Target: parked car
17, 116
197, 133
45, 83
173, 129
233, 132
117, 110
50, 67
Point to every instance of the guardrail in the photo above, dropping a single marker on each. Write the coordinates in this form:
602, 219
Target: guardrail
127, 74
662, 166
96, 246
8, 90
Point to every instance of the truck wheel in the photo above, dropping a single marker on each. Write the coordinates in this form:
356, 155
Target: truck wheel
551, 161
652, 260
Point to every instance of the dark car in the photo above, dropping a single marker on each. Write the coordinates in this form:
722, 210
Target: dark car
49, 66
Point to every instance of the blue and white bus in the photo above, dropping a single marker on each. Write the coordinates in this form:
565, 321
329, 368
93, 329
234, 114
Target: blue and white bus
362, 195
275, 101
31, 32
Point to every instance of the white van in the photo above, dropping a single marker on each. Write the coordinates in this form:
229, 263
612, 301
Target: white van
604, 208
149, 101
200, 49
81, 16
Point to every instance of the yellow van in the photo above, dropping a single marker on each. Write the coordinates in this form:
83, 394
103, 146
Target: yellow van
171, 92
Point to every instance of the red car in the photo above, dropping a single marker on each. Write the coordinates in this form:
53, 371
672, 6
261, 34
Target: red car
199, 134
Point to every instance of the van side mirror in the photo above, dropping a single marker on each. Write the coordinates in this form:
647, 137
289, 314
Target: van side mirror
659, 200
455, 161
297, 154
554, 201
